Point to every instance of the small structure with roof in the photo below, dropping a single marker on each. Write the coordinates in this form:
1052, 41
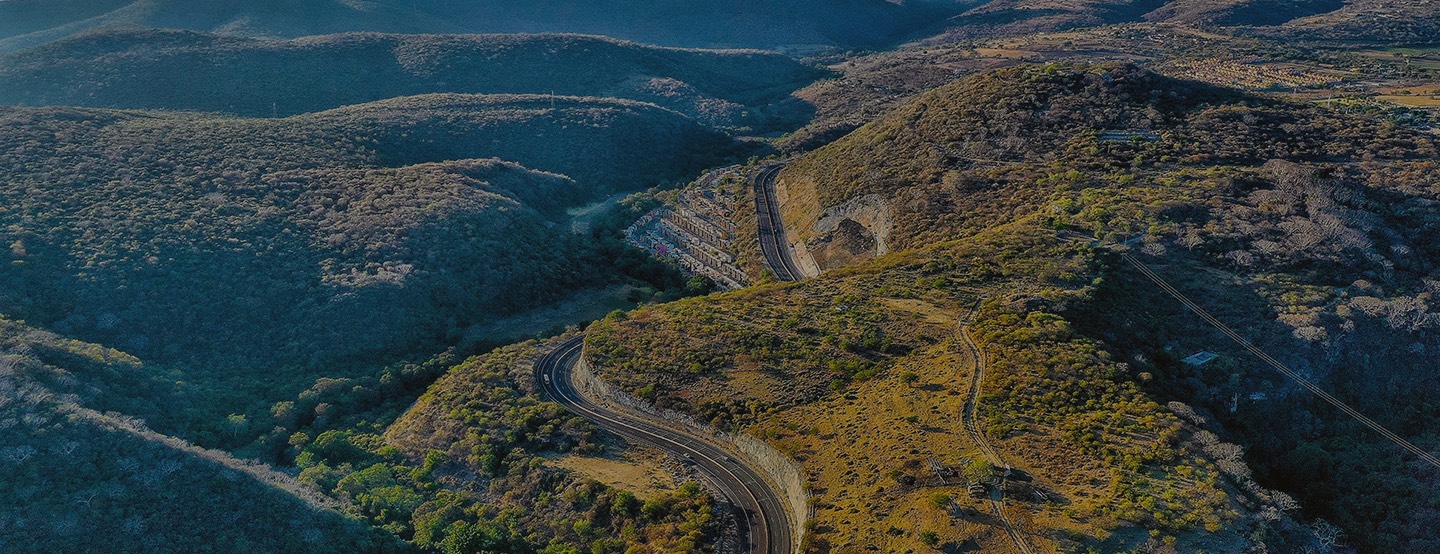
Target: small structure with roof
1200, 358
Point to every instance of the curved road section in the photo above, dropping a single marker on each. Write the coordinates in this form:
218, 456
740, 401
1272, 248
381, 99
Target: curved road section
764, 524
772, 229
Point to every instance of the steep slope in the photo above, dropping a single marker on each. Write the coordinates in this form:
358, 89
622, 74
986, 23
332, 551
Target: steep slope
187, 240
78, 479
181, 70
698, 23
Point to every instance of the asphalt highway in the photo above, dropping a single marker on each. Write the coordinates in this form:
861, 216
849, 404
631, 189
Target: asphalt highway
764, 523
772, 229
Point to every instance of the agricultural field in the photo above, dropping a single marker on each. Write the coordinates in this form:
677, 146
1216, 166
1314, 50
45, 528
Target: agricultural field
1417, 96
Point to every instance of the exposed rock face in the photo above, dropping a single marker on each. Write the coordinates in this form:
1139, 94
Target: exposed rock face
851, 232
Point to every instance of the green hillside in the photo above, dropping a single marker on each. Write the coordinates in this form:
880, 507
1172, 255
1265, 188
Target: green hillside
187, 240
482, 425
956, 143
179, 70
80, 480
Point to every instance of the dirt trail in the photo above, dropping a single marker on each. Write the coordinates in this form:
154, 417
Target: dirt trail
972, 427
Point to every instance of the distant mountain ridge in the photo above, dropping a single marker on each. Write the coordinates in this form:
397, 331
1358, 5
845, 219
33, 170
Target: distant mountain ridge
795, 25
1241, 12
1380, 21
730, 23
184, 70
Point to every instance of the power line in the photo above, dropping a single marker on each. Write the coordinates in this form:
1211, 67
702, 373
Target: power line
1282, 368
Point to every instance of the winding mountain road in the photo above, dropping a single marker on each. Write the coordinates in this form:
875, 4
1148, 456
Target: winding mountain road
773, 242
764, 524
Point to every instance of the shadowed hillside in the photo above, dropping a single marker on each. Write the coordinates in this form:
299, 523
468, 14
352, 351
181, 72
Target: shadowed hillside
191, 71
229, 249
698, 23
1373, 21
82, 480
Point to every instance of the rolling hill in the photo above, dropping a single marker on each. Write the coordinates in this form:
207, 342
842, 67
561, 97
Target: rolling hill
182, 70
251, 252
935, 153
1366, 21
695, 23
1304, 226
369, 230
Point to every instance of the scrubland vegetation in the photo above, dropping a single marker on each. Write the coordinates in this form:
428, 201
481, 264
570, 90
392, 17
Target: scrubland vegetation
82, 480
267, 279
942, 171
184, 239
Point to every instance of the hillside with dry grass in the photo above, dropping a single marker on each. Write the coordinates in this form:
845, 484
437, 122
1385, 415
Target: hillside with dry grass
1231, 13
991, 146
274, 275
1342, 21
860, 376
1303, 226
